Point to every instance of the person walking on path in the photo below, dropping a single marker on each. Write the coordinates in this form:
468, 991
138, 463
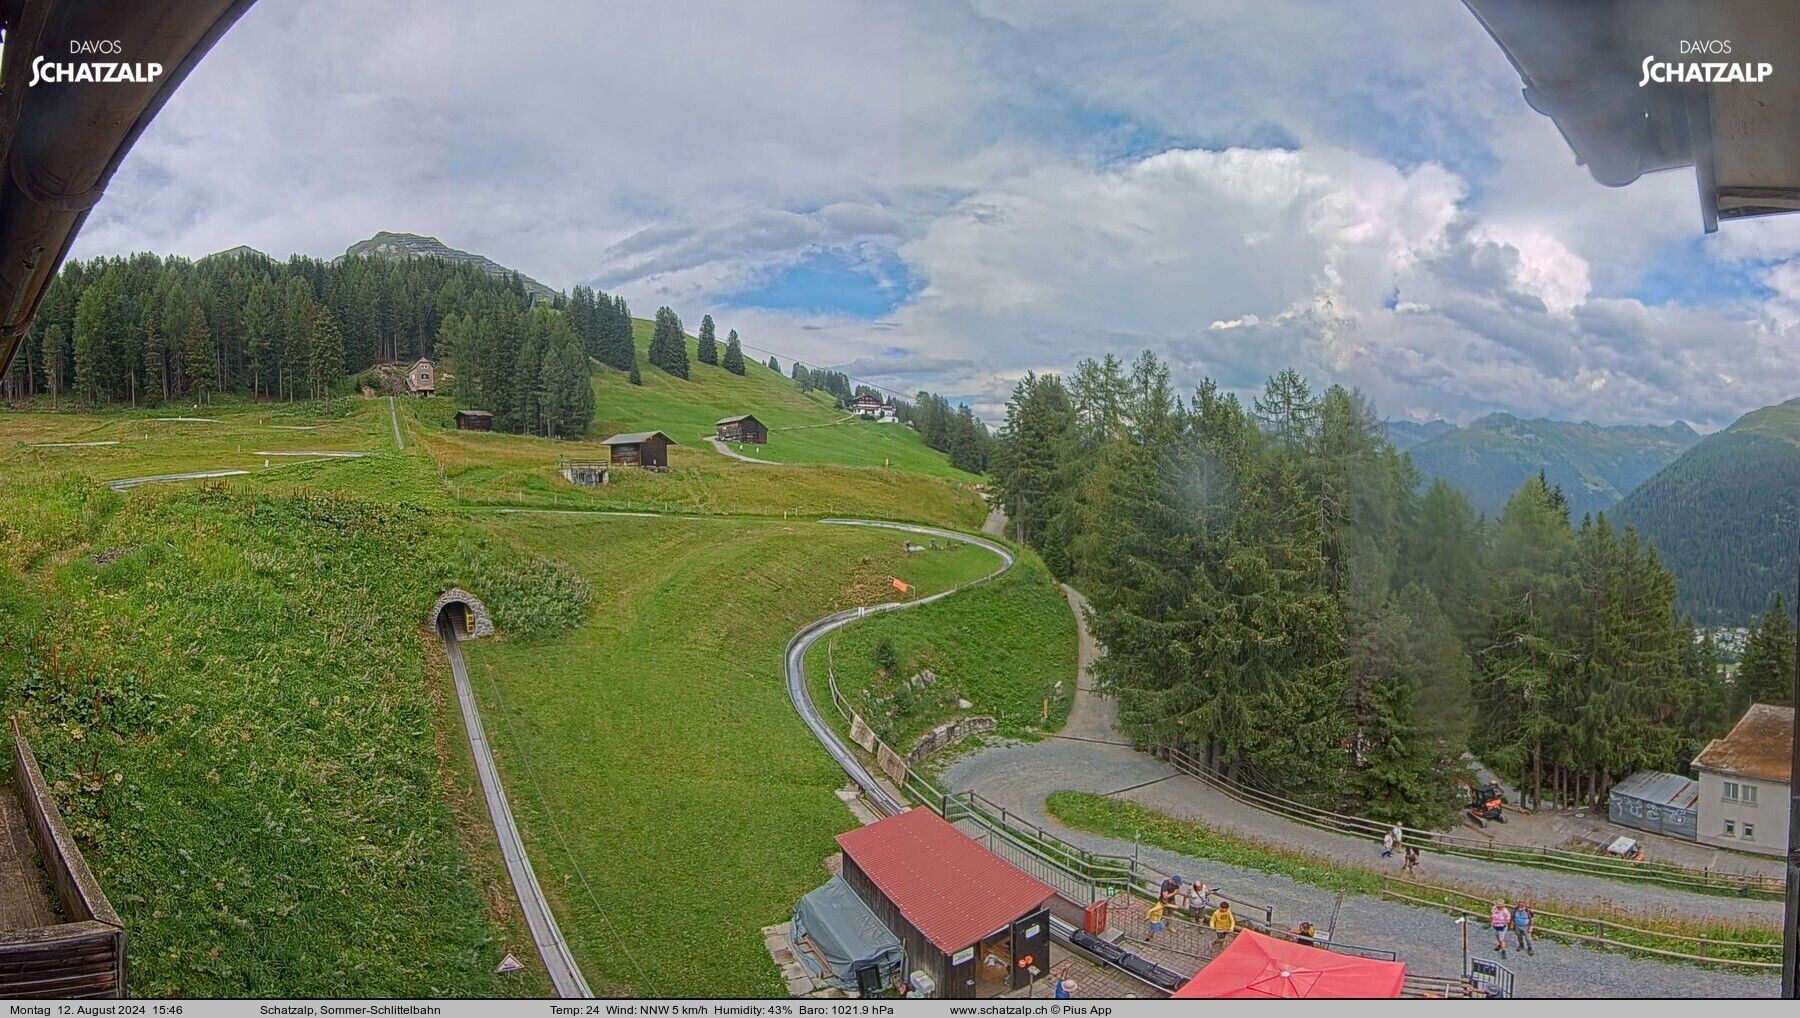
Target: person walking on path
1154, 915
1411, 866
1387, 845
1223, 923
1500, 917
1399, 835
1523, 918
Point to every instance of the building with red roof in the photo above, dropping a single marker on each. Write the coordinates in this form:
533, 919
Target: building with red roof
971, 923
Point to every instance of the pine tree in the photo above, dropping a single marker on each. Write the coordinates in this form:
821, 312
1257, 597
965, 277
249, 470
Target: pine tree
774, 365
708, 352
261, 327
325, 353
1766, 674
634, 378
734, 354
668, 344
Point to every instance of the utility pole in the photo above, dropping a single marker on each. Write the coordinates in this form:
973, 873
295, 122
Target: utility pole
1790, 936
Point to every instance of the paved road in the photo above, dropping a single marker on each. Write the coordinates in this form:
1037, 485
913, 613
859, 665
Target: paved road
1088, 756
726, 450
565, 975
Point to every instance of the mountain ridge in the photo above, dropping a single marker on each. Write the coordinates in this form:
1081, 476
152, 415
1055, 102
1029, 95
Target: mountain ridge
1595, 465
391, 244
1725, 515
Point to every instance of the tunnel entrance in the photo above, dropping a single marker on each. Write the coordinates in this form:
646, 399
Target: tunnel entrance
460, 613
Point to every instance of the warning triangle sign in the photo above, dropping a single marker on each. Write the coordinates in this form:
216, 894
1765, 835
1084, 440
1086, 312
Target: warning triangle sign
510, 964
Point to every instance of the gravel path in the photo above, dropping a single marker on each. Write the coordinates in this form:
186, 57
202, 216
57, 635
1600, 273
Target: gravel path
726, 450
1088, 756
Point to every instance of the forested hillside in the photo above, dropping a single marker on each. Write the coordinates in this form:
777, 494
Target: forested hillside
1726, 515
1277, 596
1594, 466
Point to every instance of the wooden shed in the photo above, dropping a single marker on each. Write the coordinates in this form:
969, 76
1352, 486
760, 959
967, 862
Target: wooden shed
647, 449
971, 923
474, 420
743, 428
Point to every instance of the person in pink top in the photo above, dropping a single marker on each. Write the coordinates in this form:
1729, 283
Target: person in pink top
1500, 917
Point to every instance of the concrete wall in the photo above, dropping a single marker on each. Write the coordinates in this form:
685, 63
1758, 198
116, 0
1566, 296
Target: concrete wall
1768, 816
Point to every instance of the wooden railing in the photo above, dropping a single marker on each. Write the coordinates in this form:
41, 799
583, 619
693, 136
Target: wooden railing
1664, 874
84, 956
1701, 949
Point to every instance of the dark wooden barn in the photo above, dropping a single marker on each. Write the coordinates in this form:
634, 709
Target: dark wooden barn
967, 919
743, 428
648, 449
474, 420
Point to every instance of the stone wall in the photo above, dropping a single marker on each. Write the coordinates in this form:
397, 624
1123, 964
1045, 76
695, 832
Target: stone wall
484, 621
946, 734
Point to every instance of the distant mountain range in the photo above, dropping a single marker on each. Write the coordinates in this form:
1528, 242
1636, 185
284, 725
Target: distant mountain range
412, 245
1726, 515
1406, 434
1595, 466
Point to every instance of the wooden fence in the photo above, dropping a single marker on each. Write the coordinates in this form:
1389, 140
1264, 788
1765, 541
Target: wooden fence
84, 956
1663, 874
1701, 950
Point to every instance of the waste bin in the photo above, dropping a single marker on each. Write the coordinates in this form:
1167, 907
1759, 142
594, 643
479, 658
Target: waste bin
1093, 918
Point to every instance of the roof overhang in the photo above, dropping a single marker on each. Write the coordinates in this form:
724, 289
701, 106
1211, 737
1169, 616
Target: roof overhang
1584, 65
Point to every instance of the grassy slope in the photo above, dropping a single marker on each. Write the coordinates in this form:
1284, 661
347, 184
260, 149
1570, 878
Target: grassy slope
518, 470
257, 763
1002, 646
680, 778
148, 446
804, 428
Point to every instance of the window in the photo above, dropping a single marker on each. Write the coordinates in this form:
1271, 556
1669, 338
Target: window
1747, 794
1731, 791
1749, 832
1730, 828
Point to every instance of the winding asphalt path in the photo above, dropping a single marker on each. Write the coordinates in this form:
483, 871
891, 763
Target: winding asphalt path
810, 634
559, 961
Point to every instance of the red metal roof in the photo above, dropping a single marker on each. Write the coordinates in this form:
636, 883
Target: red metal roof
951, 889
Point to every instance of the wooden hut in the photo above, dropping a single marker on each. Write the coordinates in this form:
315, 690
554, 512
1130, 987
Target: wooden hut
743, 428
971, 923
474, 420
648, 449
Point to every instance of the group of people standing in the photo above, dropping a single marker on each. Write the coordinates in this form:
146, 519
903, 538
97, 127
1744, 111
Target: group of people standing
1177, 894
1520, 918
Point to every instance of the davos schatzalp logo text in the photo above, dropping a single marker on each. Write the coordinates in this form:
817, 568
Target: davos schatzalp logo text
1694, 69
45, 71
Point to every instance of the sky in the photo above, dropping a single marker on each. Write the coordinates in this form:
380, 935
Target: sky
946, 194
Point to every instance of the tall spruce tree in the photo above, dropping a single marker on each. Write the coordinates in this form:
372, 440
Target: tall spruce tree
668, 344
707, 351
1766, 675
734, 354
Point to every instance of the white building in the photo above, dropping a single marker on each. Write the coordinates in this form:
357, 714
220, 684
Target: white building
1744, 782
421, 379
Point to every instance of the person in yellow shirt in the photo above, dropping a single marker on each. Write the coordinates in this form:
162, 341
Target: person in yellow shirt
1222, 922
1155, 916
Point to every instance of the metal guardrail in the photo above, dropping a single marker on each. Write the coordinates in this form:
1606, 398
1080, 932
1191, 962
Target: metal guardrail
1665, 874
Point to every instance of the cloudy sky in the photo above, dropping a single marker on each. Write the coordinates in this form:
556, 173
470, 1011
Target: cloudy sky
944, 194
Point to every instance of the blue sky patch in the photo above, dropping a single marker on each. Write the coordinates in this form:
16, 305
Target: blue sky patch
857, 283
1682, 272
